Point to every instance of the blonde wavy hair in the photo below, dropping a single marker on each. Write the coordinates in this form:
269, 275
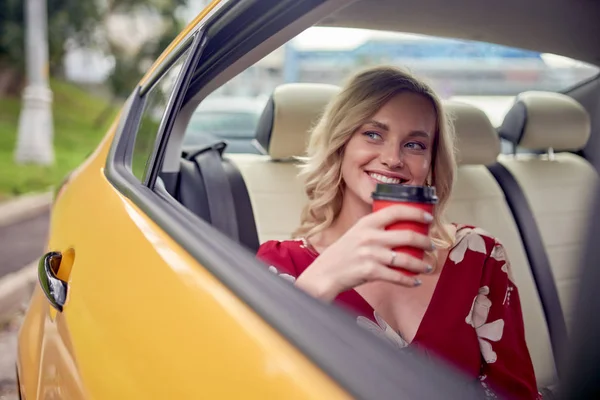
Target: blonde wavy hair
362, 96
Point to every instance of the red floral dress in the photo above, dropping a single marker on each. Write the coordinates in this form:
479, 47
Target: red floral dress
474, 319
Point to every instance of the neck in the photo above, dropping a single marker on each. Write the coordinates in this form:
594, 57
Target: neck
353, 209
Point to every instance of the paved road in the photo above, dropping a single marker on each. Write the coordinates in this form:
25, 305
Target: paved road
8, 356
8, 351
22, 243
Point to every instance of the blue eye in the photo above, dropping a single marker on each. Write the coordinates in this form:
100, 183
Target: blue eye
372, 135
415, 146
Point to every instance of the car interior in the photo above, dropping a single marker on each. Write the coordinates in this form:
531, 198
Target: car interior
537, 201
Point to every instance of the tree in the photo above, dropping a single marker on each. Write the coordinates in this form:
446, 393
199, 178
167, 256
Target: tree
78, 22
129, 67
67, 20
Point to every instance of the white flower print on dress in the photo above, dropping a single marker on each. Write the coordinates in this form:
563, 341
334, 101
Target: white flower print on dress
382, 329
499, 254
509, 290
489, 394
491, 331
287, 277
468, 238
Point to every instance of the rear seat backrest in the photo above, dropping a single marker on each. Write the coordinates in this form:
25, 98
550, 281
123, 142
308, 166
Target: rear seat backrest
558, 185
478, 200
276, 193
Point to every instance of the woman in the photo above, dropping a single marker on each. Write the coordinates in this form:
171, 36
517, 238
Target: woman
387, 126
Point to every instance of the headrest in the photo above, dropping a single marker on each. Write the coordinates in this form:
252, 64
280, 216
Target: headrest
290, 113
543, 120
477, 142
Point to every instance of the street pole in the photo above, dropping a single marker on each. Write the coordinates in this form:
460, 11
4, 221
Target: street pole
34, 141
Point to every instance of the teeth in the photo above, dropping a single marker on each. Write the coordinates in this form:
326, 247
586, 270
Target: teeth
384, 179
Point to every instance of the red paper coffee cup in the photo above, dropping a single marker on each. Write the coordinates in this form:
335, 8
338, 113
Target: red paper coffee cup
421, 197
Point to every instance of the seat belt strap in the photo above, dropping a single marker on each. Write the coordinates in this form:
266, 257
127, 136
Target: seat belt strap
218, 190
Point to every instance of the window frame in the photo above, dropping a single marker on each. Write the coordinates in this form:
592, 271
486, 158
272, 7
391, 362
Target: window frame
123, 147
190, 48
146, 93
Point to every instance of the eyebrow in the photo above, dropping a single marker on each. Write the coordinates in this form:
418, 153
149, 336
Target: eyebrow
386, 128
379, 125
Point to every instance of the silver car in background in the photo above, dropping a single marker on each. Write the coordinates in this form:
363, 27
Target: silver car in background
230, 119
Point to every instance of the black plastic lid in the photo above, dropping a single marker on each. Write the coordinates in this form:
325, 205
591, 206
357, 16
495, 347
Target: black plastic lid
408, 193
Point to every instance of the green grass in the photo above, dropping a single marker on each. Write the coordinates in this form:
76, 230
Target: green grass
74, 113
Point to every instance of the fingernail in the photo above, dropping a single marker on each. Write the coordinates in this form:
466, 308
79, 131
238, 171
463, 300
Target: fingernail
428, 217
432, 246
428, 269
418, 282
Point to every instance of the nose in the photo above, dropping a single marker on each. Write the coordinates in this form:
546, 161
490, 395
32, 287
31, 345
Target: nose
391, 157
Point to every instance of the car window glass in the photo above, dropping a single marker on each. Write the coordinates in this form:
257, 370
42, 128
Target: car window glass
154, 110
486, 75
223, 117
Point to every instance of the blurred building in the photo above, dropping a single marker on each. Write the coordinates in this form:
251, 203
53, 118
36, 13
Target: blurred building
452, 67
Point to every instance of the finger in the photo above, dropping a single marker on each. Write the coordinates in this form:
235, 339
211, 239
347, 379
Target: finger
400, 212
401, 260
397, 238
394, 276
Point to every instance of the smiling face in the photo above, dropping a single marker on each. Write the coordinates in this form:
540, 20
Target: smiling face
394, 146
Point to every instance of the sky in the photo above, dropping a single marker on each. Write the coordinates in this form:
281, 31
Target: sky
342, 38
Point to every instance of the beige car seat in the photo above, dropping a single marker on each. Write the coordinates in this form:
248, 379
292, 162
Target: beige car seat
558, 185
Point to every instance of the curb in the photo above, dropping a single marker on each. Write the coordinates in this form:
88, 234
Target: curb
24, 207
16, 290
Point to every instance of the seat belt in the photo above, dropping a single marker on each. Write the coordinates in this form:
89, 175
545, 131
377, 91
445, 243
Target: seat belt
221, 205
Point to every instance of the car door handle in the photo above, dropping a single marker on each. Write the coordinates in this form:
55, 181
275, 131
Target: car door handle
54, 288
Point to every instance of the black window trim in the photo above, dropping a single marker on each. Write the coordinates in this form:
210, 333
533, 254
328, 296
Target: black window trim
354, 358
175, 103
171, 57
167, 63
140, 98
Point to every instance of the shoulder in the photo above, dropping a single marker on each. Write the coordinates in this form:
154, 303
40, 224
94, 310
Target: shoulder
290, 256
281, 248
471, 240
470, 232
478, 246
